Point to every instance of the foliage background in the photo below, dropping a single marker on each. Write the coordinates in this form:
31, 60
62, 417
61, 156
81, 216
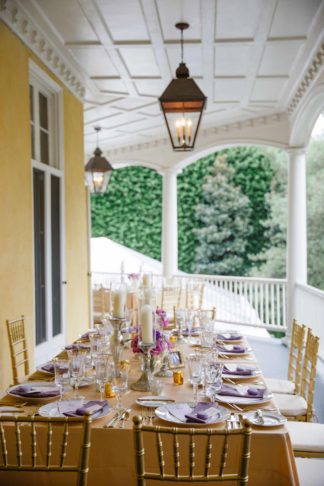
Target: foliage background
131, 210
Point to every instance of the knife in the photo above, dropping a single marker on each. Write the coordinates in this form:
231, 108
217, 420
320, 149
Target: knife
116, 417
162, 400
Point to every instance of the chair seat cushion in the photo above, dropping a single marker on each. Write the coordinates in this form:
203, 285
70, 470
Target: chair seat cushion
280, 386
310, 471
290, 405
306, 436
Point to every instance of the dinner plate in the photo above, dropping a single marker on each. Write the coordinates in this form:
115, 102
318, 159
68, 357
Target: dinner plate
56, 409
153, 401
40, 368
164, 414
244, 400
235, 376
269, 418
232, 353
35, 384
229, 334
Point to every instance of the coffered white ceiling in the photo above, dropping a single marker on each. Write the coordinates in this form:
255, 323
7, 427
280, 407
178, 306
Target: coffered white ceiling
248, 56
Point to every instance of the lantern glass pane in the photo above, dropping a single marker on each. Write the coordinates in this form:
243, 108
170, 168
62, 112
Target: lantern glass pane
183, 128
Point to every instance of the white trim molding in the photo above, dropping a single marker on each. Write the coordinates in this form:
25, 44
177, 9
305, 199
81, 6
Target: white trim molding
22, 24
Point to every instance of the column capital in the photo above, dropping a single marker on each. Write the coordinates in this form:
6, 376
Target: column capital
169, 171
296, 150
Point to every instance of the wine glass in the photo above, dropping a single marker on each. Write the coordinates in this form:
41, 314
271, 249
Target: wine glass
62, 374
120, 383
102, 367
77, 369
195, 372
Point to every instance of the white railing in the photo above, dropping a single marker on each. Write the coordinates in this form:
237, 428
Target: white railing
309, 310
258, 302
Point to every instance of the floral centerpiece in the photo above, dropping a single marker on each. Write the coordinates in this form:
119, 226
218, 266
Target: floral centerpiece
161, 344
134, 279
162, 315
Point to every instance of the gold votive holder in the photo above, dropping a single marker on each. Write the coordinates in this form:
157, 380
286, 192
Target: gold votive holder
109, 393
178, 377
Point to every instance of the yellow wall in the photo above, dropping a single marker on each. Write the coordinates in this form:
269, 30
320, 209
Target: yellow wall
16, 239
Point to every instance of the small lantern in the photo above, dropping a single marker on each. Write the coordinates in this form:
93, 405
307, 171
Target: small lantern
98, 171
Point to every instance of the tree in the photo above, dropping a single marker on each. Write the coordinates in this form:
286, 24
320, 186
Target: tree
224, 224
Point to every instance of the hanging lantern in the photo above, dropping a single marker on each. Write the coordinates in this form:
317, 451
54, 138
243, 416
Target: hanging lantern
182, 104
98, 170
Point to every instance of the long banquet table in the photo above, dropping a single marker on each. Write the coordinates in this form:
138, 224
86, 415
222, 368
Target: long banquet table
112, 452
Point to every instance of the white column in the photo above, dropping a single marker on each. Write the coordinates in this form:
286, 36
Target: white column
297, 227
169, 223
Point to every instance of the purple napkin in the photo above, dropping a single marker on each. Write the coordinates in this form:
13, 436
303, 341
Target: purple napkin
49, 367
233, 349
34, 391
94, 407
202, 413
240, 370
247, 392
230, 337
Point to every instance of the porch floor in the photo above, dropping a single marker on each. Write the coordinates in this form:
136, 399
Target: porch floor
273, 356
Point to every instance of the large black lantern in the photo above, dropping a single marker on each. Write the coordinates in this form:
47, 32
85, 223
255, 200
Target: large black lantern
98, 170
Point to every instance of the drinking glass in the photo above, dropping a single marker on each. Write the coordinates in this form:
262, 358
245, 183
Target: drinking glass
103, 368
62, 374
213, 380
77, 369
195, 365
120, 383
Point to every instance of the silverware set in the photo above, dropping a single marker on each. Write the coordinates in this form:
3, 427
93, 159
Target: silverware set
148, 415
119, 419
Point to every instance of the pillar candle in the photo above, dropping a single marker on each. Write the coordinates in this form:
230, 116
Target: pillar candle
147, 299
146, 319
119, 303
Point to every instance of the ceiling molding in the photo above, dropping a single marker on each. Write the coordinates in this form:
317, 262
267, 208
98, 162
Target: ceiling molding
309, 77
28, 31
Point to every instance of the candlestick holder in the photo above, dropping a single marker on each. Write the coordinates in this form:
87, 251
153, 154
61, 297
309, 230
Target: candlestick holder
116, 340
144, 383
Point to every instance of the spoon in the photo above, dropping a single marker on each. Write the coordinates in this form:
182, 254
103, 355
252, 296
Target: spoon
124, 418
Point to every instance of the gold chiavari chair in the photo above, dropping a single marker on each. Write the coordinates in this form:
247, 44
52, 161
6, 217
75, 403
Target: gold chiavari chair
36, 444
300, 407
292, 384
189, 454
170, 298
18, 348
101, 303
194, 295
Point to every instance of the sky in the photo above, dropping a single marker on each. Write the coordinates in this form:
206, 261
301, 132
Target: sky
318, 127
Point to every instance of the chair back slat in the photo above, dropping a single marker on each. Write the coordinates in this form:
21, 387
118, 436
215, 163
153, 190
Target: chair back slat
296, 354
170, 298
309, 371
18, 347
41, 429
197, 467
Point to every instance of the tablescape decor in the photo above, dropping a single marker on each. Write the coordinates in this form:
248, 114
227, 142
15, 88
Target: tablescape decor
77, 358
213, 379
114, 420
117, 340
134, 280
195, 366
35, 391
147, 279
240, 371
183, 413
178, 377
233, 350
76, 408
176, 359
265, 418
229, 337
61, 374
145, 342
109, 392
156, 387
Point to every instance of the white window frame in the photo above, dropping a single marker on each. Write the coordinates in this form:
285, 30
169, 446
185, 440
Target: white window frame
41, 82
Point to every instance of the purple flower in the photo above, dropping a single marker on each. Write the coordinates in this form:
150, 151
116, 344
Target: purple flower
133, 276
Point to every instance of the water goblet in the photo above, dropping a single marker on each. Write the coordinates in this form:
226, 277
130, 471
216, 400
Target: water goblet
213, 380
195, 365
61, 374
120, 383
77, 369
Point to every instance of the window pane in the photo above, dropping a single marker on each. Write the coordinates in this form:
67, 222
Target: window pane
44, 152
32, 140
56, 254
39, 256
31, 102
43, 111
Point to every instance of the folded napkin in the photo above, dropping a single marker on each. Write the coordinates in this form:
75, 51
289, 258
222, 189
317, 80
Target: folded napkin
203, 413
239, 370
231, 349
241, 391
49, 367
94, 407
229, 337
35, 391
